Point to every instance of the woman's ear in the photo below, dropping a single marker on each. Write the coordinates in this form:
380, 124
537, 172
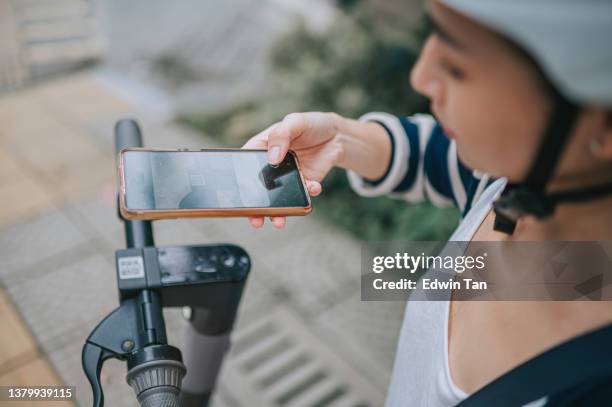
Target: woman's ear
601, 144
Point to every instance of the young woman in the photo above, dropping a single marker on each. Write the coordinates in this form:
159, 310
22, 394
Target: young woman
521, 142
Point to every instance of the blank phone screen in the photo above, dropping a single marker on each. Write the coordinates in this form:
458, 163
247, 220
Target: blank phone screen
166, 180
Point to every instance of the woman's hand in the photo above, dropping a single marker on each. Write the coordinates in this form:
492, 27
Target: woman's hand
314, 137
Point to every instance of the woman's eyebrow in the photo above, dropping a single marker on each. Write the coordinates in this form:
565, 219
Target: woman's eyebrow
442, 33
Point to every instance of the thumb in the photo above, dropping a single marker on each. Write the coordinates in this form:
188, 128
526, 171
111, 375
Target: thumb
292, 126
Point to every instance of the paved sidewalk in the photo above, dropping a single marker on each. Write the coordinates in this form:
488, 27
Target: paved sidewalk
302, 338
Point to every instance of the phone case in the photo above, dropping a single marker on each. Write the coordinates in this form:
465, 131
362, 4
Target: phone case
153, 214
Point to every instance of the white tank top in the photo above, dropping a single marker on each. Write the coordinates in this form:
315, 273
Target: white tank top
421, 374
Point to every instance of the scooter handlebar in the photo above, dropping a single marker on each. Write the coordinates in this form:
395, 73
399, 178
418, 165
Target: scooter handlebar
127, 134
138, 233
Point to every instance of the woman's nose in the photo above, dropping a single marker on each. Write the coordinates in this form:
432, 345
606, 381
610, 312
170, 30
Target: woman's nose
424, 76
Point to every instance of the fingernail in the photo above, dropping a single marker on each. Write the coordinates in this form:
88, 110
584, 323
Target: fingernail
274, 154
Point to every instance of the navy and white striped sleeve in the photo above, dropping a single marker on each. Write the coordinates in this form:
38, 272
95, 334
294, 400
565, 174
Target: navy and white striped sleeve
424, 165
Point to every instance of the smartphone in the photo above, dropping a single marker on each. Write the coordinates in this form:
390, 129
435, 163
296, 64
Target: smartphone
164, 184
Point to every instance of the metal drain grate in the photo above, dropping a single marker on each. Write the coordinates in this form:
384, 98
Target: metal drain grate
277, 361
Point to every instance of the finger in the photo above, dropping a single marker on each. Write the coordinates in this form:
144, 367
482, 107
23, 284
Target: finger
279, 139
260, 140
278, 221
256, 221
314, 187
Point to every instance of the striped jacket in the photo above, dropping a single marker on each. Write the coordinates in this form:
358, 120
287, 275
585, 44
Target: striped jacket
424, 165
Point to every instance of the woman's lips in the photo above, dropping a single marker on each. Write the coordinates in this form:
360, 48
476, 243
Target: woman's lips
449, 133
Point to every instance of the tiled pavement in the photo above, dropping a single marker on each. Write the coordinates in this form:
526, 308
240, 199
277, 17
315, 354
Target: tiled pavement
58, 233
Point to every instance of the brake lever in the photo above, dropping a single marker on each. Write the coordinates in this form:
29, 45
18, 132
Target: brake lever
116, 336
93, 359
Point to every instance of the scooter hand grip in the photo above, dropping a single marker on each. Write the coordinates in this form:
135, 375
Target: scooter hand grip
161, 398
157, 383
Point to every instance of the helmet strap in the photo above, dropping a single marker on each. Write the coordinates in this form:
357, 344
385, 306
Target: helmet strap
529, 196
524, 202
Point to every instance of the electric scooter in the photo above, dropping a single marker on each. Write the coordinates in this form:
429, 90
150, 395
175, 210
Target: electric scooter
207, 279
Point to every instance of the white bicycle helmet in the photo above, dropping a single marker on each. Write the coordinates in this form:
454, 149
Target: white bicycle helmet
571, 42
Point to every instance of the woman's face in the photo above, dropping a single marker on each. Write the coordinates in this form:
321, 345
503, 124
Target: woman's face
484, 93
